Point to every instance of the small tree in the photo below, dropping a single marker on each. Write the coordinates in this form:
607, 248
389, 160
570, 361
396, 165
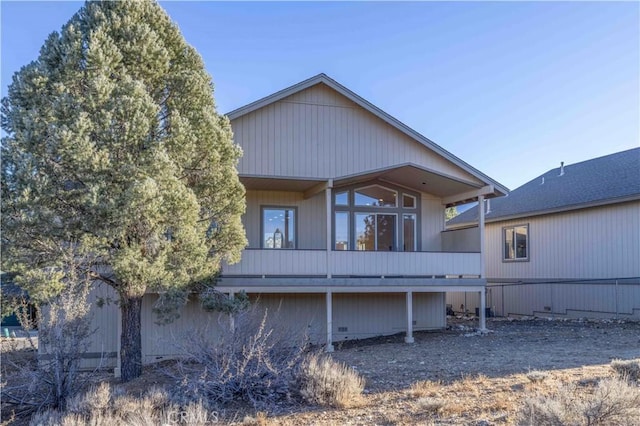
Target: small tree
113, 142
450, 213
64, 330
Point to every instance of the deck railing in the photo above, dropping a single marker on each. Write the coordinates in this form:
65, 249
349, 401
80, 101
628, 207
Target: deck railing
319, 263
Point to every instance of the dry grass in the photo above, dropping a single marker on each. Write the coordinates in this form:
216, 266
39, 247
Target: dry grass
627, 369
325, 381
103, 405
612, 402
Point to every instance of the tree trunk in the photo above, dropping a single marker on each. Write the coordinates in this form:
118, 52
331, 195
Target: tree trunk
131, 338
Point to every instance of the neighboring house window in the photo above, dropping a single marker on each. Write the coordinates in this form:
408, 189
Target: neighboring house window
516, 242
278, 227
376, 218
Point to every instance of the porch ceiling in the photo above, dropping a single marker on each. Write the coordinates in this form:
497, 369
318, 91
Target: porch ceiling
410, 176
416, 178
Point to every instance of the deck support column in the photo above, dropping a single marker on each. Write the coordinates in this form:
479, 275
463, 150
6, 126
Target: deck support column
329, 346
483, 299
409, 337
329, 203
483, 308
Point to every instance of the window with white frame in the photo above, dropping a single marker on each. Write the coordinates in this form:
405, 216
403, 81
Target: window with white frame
515, 242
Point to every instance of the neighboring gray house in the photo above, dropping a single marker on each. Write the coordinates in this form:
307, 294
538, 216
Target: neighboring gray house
345, 222
565, 243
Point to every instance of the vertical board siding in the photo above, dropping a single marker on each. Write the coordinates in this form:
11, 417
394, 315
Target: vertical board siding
295, 316
350, 263
599, 242
368, 315
279, 262
319, 133
432, 222
312, 222
467, 239
589, 299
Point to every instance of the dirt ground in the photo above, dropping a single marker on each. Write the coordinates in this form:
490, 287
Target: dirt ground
511, 346
474, 378
464, 377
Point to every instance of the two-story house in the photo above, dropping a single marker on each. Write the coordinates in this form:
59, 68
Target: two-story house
345, 220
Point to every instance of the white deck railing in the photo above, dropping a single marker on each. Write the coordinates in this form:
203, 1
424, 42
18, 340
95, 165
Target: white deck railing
353, 263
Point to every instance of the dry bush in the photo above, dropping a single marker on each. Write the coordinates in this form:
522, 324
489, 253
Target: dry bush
430, 405
536, 376
256, 361
64, 329
104, 406
611, 402
325, 381
627, 369
425, 388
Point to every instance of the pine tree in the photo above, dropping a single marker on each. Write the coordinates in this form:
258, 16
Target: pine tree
114, 148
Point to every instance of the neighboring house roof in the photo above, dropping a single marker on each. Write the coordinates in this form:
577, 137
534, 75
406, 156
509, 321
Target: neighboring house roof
324, 79
605, 180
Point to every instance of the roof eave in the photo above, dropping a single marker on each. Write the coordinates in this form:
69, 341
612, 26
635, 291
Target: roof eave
572, 207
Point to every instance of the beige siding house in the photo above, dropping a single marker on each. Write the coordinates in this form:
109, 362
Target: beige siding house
565, 244
345, 221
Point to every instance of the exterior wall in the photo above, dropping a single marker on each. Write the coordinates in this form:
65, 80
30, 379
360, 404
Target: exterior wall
295, 314
312, 221
364, 315
584, 263
466, 239
105, 320
103, 344
311, 226
600, 242
432, 222
369, 315
318, 133
572, 299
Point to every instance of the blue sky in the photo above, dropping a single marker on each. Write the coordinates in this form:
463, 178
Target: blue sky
512, 88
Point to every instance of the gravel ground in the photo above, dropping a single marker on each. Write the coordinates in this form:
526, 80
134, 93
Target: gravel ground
510, 346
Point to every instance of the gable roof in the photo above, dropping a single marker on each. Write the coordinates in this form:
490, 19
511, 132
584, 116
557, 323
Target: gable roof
604, 180
324, 79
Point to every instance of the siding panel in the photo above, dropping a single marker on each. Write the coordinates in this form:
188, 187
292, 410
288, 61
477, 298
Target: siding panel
361, 140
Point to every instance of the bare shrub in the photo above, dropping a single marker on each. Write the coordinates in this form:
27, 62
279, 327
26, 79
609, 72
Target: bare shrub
430, 405
96, 400
627, 369
611, 402
536, 376
256, 361
325, 381
64, 329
